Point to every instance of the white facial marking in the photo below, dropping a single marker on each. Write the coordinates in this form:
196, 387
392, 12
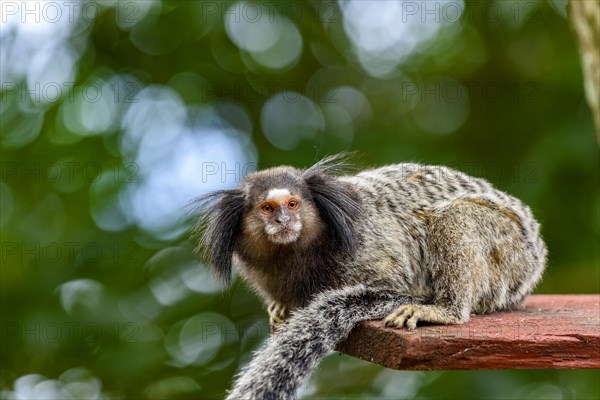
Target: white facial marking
276, 193
276, 233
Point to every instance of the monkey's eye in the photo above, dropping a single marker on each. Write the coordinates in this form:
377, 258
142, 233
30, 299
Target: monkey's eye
267, 208
293, 204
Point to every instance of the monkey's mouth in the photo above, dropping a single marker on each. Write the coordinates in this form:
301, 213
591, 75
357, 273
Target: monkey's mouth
283, 235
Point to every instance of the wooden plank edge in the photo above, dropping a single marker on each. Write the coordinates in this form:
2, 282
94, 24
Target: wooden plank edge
553, 332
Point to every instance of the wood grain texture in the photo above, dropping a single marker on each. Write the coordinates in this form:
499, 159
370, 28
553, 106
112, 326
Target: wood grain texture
553, 331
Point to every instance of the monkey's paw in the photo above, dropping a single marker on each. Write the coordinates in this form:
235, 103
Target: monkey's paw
277, 313
409, 315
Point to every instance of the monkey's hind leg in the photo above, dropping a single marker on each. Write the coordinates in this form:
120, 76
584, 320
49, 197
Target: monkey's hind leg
466, 238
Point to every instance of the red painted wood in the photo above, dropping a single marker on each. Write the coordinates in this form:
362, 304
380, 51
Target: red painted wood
553, 331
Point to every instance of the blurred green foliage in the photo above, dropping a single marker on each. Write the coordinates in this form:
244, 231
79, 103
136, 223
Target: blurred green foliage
115, 118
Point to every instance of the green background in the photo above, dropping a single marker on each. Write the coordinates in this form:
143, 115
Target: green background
101, 297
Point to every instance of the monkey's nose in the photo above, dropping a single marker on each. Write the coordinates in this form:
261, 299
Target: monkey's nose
282, 219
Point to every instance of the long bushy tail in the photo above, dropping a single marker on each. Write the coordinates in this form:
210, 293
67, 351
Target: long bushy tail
286, 359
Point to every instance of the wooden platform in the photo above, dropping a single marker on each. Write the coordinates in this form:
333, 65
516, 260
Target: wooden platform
553, 331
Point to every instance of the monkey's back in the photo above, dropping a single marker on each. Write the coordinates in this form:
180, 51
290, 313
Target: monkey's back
399, 202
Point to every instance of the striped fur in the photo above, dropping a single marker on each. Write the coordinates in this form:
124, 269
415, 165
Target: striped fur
408, 242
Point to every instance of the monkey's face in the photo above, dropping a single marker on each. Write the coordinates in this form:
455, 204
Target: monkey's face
281, 213
279, 210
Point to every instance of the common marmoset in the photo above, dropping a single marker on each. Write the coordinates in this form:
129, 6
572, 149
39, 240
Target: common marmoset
325, 250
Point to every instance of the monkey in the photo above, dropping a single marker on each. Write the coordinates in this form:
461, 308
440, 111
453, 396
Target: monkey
327, 247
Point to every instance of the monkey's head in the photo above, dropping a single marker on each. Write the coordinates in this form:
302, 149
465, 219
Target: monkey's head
278, 207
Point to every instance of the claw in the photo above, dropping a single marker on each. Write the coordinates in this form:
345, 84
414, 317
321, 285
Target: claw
409, 315
277, 313
404, 316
